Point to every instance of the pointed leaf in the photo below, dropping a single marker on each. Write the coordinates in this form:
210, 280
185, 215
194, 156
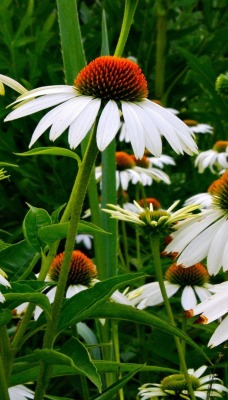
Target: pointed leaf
39, 299
81, 305
34, 220
51, 233
123, 312
81, 357
52, 151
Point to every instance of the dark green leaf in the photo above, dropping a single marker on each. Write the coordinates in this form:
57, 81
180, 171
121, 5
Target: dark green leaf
34, 220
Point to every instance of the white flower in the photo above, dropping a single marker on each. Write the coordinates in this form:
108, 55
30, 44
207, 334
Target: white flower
175, 385
20, 392
206, 235
106, 87
216, 158
203, 199
161, 161
211, 309
5, 80
4, 282
195, 127
192, 281
129, 169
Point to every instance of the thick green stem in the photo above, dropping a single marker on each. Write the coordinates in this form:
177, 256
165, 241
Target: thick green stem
129, 11
3, 381
78, 196
155, 248
5, 351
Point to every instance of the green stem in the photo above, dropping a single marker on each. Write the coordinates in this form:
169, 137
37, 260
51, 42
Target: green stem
3, 381
155, 248
5, 351
30, 267
78, 196
115, 336
129, 11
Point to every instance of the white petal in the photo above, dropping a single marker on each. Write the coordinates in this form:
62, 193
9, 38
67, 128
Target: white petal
20, 392
83, 123
202, 293
134, 128
69, 112
108, 126
200, 371
188, 298
36, 105
46, 90
225, 258
12, 84
75, 289
215, 253
3, 281
220, 334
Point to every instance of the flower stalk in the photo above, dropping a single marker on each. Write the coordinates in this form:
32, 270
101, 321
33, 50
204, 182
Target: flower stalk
78, 196
155, 248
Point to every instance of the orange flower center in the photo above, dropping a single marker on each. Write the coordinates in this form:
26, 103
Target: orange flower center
150, 200
112, 78
82, 269
219, 192
220, 146
142, 162
196, 275
124, 161
190, 122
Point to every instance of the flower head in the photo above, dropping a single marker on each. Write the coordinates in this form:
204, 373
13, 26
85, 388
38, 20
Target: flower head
192, 282
216, 158
206, 235
195, 127
129, 169
211, 309
108, 88
175, 386
152, 222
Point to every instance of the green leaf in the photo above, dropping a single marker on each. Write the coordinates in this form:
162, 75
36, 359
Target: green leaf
5, 164
111, 366
81, 357
5, 317
78, 307
39, 299
111, 390
16, 258
52, 151
34, 220
56, 213
79, 362
51, 233
128, 313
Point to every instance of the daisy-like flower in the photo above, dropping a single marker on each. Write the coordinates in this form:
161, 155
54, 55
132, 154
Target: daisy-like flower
206, 235
161, 161
216, 158
152, 222
192, 281
5, 80
203, 199
82, 275
143, 203
212, 309
4, 282
195, 127
20, 392
106, 88
175, 386
129, 169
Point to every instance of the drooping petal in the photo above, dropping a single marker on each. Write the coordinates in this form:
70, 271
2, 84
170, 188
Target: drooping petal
220, 335
134, 128
46, 90
108, 126
69, 112
188, 298
83, 123
215, 253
